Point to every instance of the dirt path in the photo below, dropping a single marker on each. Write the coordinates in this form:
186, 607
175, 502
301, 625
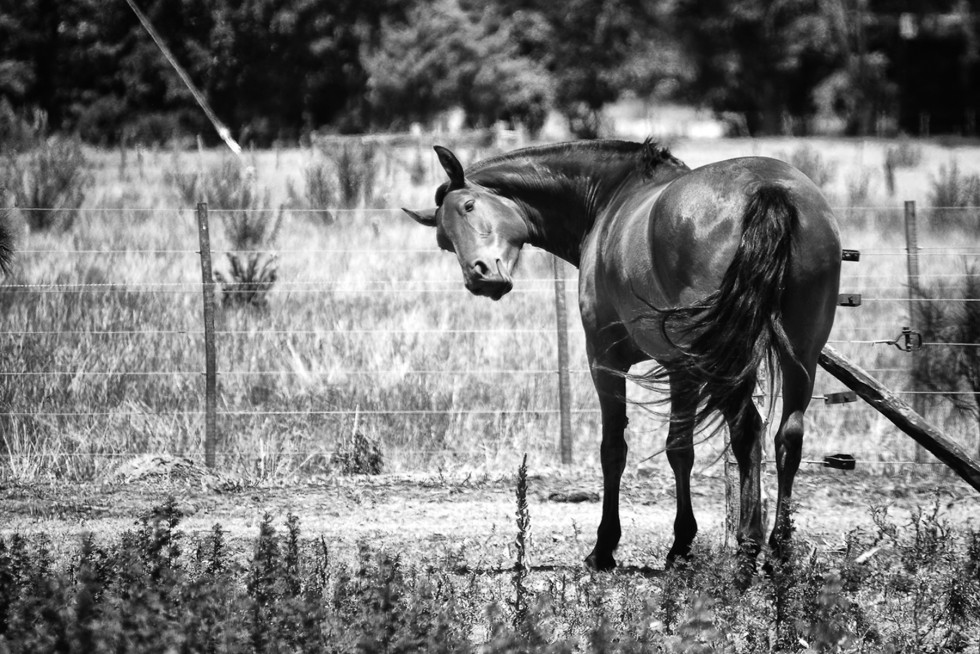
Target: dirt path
430, 515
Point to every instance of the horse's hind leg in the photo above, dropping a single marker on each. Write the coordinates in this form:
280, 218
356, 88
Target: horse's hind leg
797, 388
745, 429
680, 454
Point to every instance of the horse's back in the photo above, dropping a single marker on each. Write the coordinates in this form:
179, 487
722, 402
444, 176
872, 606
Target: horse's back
696, 224
671, 247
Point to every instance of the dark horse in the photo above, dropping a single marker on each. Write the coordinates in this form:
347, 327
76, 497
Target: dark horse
6, 241
712, 272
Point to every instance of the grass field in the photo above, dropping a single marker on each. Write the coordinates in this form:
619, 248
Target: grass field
367, 320
280, 551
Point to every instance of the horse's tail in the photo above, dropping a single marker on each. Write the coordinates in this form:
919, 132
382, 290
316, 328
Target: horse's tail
723, 340
6, 241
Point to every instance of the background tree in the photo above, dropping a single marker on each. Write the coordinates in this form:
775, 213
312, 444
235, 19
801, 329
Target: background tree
756, 58
443, 55
281, 68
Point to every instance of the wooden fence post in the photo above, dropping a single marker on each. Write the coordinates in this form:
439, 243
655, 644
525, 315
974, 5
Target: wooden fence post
564, 383
912, 249
901, 414
210, 357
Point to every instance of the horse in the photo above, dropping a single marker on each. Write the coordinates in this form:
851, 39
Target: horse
712, 273
7, 239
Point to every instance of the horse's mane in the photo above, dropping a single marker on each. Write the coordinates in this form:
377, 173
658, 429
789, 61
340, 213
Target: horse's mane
649, 156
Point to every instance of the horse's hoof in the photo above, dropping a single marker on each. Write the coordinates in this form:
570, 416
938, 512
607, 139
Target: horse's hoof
600, 562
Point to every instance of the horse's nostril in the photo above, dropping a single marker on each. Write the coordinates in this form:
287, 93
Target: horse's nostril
481, 268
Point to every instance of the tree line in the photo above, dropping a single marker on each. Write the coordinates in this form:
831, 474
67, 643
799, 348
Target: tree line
276, 69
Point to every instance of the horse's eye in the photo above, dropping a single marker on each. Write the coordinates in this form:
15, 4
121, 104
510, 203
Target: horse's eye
468, 206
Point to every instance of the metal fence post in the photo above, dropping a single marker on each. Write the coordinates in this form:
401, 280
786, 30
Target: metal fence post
564, 383
210, 357
912, 250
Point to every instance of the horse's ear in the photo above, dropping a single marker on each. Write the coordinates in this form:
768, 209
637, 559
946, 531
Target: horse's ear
425, 217
452, 166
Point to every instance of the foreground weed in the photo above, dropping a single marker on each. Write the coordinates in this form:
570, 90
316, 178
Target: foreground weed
155, 590
521, 565
358, 455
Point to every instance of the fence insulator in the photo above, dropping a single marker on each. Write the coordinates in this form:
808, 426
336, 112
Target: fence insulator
908, 341
839, 462
849, 300
840, 398
850, 255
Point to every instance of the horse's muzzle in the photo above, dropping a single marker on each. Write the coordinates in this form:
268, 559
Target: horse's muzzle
492, 282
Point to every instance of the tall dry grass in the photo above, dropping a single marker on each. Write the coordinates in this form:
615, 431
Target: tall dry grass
367, 319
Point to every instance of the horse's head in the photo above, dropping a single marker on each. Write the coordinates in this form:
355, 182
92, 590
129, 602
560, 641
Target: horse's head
485, 230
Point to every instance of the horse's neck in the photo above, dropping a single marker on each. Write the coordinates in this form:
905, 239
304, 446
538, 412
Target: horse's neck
561, 204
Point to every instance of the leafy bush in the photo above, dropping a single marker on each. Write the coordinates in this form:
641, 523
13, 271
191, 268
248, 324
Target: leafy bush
319, 191
18, 133
356, 174
100, 122
358, 455
249, 222
249, 279
951, 372
49, 182
155, 128
951, 192
157, 589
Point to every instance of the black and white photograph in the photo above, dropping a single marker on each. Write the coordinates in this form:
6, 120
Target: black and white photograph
394, 326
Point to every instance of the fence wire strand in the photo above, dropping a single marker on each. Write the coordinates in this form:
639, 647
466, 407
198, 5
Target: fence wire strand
390, 287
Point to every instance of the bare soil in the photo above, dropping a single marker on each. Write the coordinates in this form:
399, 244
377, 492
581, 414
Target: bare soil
473, 514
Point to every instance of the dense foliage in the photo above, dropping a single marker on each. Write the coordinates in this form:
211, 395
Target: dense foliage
280, 68
901, 588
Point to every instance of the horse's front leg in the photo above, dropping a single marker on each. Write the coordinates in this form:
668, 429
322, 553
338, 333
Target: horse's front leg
612, 401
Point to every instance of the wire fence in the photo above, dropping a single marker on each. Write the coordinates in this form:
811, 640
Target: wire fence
70, 342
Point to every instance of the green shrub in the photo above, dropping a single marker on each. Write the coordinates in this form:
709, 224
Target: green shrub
356, 165
319, 191
950, 373
18, 133
952, 191
100, 122
249, 224
155, 589
156, 128
249, 280
49, 182
358, 455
